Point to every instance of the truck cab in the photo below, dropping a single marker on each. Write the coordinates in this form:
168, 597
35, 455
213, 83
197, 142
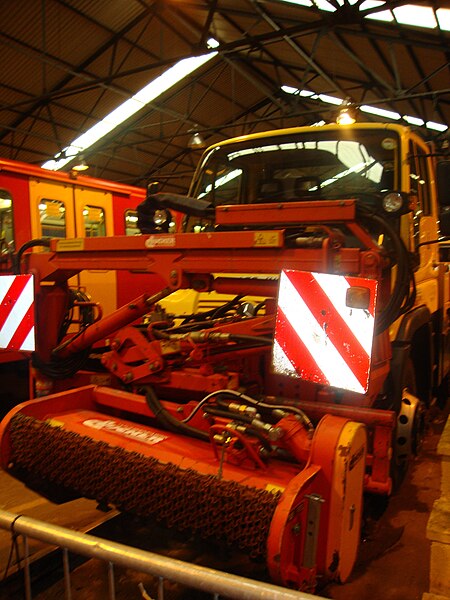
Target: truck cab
391, 173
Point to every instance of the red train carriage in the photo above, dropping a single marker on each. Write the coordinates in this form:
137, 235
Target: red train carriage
36, 203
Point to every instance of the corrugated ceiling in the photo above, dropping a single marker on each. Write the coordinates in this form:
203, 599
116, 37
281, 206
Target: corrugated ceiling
67, 63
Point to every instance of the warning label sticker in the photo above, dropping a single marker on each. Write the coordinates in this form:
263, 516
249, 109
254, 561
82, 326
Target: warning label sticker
135, 433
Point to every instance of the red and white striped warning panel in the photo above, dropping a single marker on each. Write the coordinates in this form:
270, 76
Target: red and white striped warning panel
317, 336
17, 312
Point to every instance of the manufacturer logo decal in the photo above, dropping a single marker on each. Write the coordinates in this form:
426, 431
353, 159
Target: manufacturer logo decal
135, 433
161, 241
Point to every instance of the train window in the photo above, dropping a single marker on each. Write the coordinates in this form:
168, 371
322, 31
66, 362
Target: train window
94, 221
6, 225
52, 214
131, 222
6, 218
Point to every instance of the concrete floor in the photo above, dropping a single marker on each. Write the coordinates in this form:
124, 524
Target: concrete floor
393, 561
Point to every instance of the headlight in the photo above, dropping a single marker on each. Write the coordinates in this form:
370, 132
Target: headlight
394, 202
160, 216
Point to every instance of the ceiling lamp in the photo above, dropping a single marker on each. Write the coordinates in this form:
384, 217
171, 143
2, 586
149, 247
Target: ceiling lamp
196, 141
80, 166
346, 115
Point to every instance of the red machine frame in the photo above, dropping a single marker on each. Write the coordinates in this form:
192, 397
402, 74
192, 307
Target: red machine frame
315, 526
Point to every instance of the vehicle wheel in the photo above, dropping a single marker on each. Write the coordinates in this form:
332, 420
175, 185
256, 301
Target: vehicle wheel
410, 428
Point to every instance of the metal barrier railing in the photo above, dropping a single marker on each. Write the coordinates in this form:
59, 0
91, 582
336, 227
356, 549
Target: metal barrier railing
219, 584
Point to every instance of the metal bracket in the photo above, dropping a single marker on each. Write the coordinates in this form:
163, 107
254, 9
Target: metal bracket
312, 529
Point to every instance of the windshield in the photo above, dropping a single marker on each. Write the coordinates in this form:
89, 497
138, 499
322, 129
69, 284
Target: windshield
313, 165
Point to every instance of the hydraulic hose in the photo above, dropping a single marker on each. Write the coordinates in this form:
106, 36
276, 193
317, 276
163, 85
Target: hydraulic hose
237, 337
213, 313
401, 297
226, 414
168, 421
249, 400
17, 258
62, 368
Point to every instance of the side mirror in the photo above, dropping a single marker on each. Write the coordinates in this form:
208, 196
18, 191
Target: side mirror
153, 187
443, 182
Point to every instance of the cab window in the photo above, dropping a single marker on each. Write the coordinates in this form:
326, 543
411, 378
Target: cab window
94, 221
52, 215
419, 177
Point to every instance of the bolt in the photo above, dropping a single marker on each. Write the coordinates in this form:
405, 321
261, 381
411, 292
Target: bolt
369, 259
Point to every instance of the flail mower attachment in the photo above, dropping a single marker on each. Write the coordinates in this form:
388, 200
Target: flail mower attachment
299, 509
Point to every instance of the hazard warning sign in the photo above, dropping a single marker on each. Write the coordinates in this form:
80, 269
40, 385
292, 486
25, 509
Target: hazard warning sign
17, 312
319, 335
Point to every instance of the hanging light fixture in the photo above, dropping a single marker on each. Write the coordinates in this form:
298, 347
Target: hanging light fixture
196, 141
81, 165
347, 114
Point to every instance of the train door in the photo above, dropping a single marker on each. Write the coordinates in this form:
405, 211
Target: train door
62, 210
94, 218
51, 209
52, 212
15, 213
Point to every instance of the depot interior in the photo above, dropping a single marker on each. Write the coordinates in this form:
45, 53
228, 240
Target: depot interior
226, 224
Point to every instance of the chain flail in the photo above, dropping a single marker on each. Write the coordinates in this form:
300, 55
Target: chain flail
181, 498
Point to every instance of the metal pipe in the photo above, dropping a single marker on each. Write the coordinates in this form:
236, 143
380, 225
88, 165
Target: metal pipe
111, 581
27, 575
247, 286
67, 582
161, 588
194, 576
